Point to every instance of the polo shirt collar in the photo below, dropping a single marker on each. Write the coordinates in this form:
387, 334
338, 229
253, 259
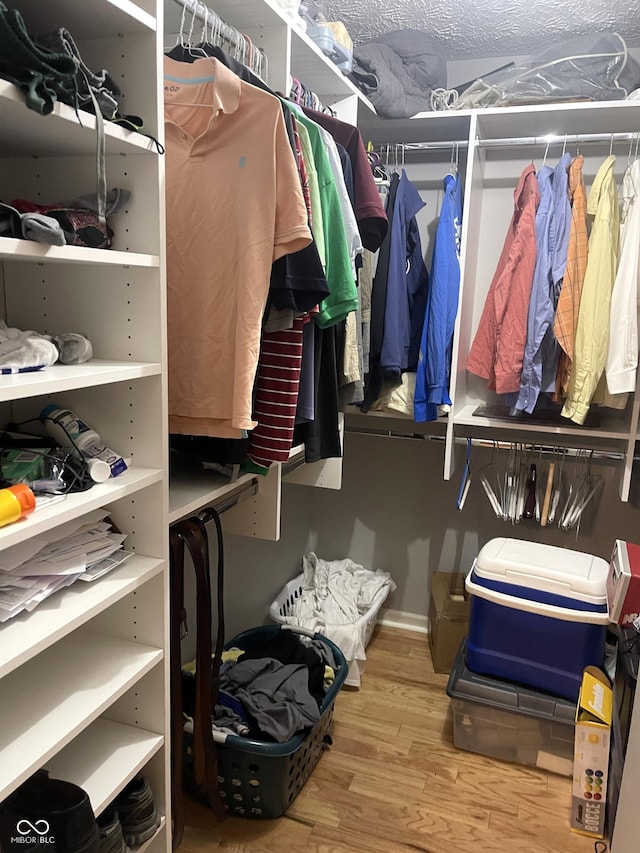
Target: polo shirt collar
225, 84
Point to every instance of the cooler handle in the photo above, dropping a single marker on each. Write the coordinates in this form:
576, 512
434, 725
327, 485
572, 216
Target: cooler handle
537, 607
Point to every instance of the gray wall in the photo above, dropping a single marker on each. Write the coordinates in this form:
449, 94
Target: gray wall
395, 512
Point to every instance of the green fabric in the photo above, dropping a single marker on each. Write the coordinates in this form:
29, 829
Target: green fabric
317, 228
343, 298
43, 76
251, 467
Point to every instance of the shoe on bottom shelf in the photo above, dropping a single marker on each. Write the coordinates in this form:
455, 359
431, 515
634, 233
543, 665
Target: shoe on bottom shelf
111, 835
57, 811
137, 812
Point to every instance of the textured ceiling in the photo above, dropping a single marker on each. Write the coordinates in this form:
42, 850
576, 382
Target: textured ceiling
468, 29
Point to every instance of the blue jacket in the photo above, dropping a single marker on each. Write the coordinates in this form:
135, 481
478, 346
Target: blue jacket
541, 350
406, 284
434, 364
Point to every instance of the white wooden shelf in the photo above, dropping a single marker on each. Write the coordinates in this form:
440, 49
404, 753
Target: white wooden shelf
241, 14
318, 73
104, 758
63, 377
76, 505
558, 119
608, 431
31, 633
28, 251
424, 127
191, 491
88, 19
59, 133
61, 692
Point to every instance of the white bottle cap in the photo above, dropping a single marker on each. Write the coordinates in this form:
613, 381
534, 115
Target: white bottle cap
99, 471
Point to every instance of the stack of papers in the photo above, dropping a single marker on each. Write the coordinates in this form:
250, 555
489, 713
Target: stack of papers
83, 549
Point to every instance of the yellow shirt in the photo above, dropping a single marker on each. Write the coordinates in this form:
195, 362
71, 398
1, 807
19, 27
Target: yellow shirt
592, 332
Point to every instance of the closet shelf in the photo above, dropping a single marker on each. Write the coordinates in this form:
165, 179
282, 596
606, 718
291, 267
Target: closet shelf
27, 251
190, 491
242, 14
558, 119
611, 429
26, 636
60, 133
91, 18
76, 505
104, 758
318, 73
433, 126
61, 691
64, 377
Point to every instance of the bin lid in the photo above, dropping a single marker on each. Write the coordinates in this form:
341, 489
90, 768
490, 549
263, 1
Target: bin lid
506, 695
560, 571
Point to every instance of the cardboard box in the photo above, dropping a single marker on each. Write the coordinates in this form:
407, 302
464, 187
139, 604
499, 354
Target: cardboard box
623, 583
591, 754
448, 618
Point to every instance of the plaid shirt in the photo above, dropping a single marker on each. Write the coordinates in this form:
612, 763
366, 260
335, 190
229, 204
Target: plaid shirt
569, 300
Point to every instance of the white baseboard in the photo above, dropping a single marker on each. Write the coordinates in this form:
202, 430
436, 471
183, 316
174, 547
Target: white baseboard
404, 620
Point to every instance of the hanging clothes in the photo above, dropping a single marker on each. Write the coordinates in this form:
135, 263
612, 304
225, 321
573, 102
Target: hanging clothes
498, 347
375, 376
566, 319
226, 143
592, 332
539, 364
622, 359
434, 362
343, 296
407, 284
368, 209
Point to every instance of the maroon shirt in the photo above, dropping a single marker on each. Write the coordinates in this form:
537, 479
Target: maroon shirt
368, 208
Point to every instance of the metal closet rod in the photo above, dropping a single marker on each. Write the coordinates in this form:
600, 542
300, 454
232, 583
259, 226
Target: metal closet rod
514, 141
497, 444
244, 492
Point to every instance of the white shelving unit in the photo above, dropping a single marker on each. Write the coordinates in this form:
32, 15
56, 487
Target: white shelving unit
490, 176
84, 677
290, 53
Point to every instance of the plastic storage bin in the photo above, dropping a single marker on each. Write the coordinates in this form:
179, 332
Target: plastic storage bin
538, 614
283, 605
511, 722
260, 779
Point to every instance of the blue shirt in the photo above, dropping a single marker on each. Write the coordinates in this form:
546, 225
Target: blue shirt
434, 363
407, 283
541, 309
550, 349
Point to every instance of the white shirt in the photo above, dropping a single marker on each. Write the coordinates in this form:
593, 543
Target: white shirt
622, 358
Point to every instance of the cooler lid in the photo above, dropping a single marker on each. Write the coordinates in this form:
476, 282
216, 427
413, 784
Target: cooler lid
561, 571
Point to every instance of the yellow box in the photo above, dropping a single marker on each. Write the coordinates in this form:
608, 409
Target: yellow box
591, 754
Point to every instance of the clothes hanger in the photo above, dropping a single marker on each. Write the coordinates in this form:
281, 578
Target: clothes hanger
465, 482
453, 165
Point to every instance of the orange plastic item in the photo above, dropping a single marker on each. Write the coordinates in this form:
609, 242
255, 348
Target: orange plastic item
16, 502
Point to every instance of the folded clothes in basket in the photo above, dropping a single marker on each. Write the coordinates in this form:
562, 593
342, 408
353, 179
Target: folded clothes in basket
339, 599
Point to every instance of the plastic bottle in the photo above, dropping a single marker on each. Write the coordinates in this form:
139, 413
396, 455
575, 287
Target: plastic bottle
16, 502
69, 431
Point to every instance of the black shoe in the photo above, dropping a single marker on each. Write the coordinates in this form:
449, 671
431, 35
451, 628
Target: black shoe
137, 811
57, 810
111, 837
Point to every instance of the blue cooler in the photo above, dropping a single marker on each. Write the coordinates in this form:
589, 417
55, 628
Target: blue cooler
538, 614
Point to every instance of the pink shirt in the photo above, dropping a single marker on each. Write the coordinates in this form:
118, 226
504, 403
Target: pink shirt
498, 347
234, 205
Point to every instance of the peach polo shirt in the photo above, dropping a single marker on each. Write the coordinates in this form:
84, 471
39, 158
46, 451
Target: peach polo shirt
234, 205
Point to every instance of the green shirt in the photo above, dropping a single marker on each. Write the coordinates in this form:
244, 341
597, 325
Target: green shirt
343, 297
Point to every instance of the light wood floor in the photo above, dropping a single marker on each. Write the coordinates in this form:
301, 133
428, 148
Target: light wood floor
393, 782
